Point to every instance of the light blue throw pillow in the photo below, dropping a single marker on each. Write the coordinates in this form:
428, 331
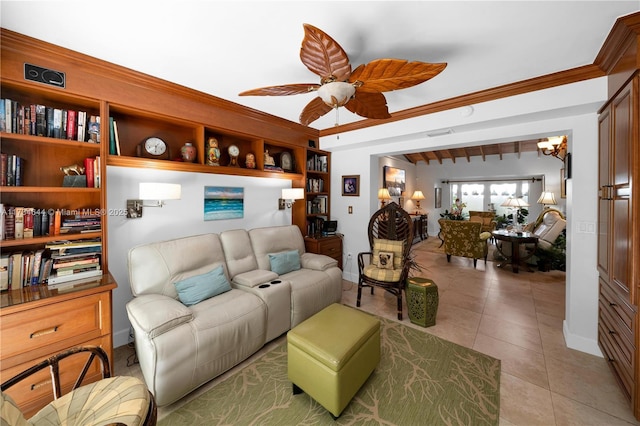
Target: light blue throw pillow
195, 289
284, 262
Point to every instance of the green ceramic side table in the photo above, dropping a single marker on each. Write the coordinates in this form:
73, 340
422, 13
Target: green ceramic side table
422, 301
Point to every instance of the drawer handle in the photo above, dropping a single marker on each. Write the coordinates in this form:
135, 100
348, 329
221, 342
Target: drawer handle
41, 384
43, 332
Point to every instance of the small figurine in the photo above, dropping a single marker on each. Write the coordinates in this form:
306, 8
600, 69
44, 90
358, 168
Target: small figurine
73, 168
213, 152
268, 160
250, 161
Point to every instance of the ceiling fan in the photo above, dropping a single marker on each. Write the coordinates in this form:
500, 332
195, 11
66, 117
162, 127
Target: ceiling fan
360, 90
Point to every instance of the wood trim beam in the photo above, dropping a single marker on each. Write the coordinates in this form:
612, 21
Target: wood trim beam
573, 75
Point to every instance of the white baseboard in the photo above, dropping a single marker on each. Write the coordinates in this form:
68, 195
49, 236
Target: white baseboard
120, 338
580, 343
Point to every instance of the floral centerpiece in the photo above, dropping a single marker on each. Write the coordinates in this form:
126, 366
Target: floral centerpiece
456, 211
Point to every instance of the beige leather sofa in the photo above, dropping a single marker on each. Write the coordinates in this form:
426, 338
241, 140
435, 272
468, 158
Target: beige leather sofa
181, 347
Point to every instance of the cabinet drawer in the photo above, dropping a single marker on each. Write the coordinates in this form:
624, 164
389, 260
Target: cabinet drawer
623, 310
331, 247
618, 335
36, 332
35, 392
619, 367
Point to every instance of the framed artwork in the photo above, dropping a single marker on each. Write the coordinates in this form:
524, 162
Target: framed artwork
563, 184
223, 202
394, 180
437, 196
567, 166
351, 185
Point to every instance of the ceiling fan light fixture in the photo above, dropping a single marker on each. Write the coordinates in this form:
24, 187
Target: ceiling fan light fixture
336, 93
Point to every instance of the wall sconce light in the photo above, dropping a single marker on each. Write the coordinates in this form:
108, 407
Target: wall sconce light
383, 196
547, 198
417, 196
555, 146
153, 193
289, 196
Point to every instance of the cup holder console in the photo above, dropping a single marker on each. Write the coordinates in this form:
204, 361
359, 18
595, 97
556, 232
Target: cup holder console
276, 282
264, 285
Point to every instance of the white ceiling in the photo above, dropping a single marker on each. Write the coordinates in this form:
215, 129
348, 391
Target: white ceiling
223, 48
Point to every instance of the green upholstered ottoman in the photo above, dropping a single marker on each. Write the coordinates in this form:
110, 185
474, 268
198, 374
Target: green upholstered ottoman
422, 301
331, 355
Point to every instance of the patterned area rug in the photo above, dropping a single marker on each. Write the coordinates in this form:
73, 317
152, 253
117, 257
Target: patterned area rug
421, 379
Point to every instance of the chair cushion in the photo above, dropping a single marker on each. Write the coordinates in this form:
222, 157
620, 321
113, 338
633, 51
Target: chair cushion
195, 289
284, 262
119, 399
395, 247
386, 275
385, 260
10, 414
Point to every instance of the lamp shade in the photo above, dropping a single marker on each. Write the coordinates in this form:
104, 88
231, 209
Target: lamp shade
515, 203
547, 197
159, 191
383, 194
292, 193
417, 195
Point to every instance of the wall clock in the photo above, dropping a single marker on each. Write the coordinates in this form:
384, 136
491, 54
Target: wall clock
153, 147
234, 152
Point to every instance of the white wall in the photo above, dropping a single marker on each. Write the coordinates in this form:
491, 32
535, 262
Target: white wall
569, 109
178, 218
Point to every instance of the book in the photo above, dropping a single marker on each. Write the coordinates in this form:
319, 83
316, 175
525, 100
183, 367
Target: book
4, 271
19, 223
88, 170
77, 276
115, 132
94, 129
15, 275
3, 167
9, 223
57, 218
7, 115
82, 126
28, 222
3, 117
112, 138
72, 124
41, 120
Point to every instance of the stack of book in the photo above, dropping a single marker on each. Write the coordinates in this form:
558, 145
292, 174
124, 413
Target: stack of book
74, 260
80, 224
11, 170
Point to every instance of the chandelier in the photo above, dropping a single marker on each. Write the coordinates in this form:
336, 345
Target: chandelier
556, 146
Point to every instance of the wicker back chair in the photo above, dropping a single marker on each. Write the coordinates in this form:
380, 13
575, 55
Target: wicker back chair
387, 264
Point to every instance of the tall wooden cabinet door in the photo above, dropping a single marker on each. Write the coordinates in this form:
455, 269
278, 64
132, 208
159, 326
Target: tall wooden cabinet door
604, 195
622, 107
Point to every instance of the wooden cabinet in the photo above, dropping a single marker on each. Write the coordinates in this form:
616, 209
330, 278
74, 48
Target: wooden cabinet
617, 239
37, 322
330, 245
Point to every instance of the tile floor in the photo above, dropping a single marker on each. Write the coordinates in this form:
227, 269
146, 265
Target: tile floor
514, 317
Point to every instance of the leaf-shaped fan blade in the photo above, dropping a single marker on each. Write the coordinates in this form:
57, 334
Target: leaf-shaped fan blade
284, 90
368, 104
314, 110
385, 75
323, 56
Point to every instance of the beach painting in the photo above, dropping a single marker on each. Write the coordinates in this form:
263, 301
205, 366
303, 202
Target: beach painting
223, 202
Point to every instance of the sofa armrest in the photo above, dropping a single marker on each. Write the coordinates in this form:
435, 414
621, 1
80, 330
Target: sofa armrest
156, 314
484, 236
254, 278
318, 262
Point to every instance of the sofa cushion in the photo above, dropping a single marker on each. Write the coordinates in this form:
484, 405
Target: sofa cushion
197, 288
275, 239
386, 275
395, 247
318, 262
285, 262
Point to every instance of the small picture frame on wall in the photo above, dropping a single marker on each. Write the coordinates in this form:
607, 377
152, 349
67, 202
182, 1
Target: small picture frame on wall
567, 166
563, 184
351, 186
438, 198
